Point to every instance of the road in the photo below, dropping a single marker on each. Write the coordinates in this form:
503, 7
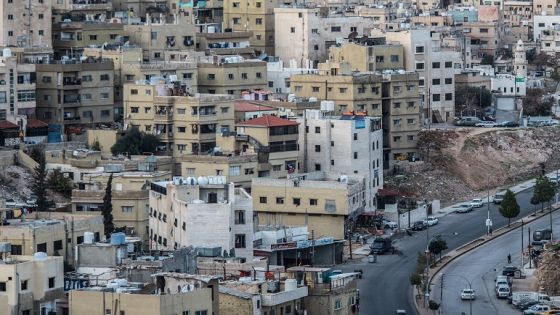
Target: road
480, 268
386, 287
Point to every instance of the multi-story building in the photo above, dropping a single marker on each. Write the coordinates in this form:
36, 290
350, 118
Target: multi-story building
509, 85
80, 9
544, 7
548, 39
381, 15
56, 236
168, 294
347, 144
17, 89
182, 210
543, 23
519, 13
71, 37
472, 77
326, 203
26, 24
141, 7
368, 57
75, 91
185, 124
306, 34
225, 43
257, 17
278, 75
231, 75
129, 197
393, 96
30, 284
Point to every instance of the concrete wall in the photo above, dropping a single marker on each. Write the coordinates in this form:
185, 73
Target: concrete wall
106, 139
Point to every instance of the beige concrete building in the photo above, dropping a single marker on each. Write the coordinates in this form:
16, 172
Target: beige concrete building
53, 233
253, 16
544, 7
472, 77
30, 284
70, 38
18, 81
261, 297
364, 57
130, 198
75, 92
306, 34
169, 294
25, 24
519, 13
185, 124
139, 8
225, 43
325, 203
231, 75
183, 210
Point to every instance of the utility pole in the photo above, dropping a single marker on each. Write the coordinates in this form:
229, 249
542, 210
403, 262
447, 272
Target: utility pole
441, 295
522, 245
529, 238
350, 242
313, 247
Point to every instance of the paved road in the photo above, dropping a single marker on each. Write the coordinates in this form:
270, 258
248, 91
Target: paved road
385, 286
480, 267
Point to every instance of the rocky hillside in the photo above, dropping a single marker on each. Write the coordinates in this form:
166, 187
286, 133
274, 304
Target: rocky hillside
463, 163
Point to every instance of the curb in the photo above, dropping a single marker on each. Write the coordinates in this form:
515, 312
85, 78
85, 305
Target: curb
479, 242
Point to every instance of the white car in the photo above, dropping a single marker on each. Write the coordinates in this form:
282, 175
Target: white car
486, 124
502, 292
537, 309
431, 221
389, 224
477, 203
467, 294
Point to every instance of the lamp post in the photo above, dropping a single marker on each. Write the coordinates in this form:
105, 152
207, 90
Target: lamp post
470, 288
488, 220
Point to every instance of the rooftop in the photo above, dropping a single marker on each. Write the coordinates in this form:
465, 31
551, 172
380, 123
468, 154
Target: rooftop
247, 106
268, 121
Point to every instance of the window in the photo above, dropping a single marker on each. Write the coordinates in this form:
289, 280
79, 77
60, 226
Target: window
448, 81
279, 200
436, 97
313, 202
448, 64
236, 20
235, 4
239, 216
234, 170
355, 155
337, 305
435, 81
47, 79
379, 58
16, 250
24, 285
484, 30
10, 17
317, 148
410, 121
2, 286
332, 162
292, 29
448, 96
258, 21
258, 4
230, 76
204, 312
126, 209
394, 58
51, 282
419, 49
42, 247
104, 96
104, 77
79, 240
258, 74
419, 66
317, 167
296, 201
342, 90
92, 37
262, 199
57, 245
240, 241
396, 138
355, 136
134, 110
86, 96
87, 78
435, 65
26, 96
335, 29
211, 76
181, 147
421, 82
10, 33
317, 129
410, 138
397, 105
315, 89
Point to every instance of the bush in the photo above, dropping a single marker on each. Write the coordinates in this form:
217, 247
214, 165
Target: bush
59, 183
135, 142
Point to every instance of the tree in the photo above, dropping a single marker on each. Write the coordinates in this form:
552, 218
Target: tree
543, 191
59, 183
472, 97
96, 146
437, 246
536, 104
107, 211
487, 60
38, 183
509, 208
135, 142
416, 280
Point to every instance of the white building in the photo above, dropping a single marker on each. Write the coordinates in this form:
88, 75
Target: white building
344, 145
204, 212
520, 60
305, 34
279, 76
544, 22
507, 84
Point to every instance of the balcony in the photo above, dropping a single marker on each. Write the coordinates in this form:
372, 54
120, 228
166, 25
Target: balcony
273, 299
92, 5
163, 117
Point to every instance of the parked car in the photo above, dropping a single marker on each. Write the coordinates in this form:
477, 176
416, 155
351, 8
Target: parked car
382, 245
11, 203
467, 121
486, 124
526, 304
477, 203
499, 197
522, 297
507, 124
431, 221
467, 294
400, 312
502, 292
418, 226
537, 309
509, 270
464, 208
389, 224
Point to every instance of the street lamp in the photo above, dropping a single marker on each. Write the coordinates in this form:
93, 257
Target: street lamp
462, 277
488, 220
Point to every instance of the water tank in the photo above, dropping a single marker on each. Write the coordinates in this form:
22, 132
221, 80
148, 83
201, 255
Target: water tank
5, 247
112, 285
245, 279
291, 98
290, 284
40, 256
176, 180
327, 106
6, 52
343, 179
118, 238
313, 99
202, 180
211, 29
121, 282
88, 237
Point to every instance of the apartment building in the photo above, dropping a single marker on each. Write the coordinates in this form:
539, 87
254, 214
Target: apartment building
256, 17
55, 236
231, 75
161, 35
368, 57
168, 294
544, 7
472, 77
130, 198
381, 15
519, 13
70, 38
261, 297
543, 23
548, 39
182, 210
141, 7
279, 73
393, 96
325, 203
75, 91
185, 124
30, 284
346, 144
17, 89
225, 43
306, 34
26, 24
